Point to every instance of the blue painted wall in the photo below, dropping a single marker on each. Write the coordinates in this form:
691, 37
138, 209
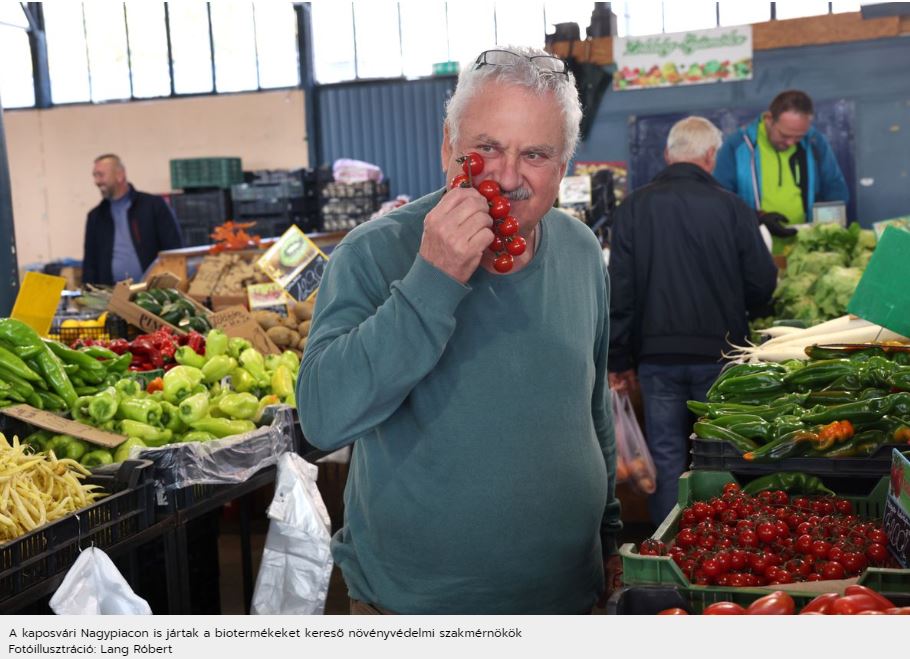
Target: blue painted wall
875, 75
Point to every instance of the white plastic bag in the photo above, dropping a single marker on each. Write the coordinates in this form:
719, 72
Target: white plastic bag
94, 586
345, 170
297, 562
633, 460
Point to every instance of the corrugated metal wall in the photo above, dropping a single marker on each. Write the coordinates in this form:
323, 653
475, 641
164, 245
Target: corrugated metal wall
394, 124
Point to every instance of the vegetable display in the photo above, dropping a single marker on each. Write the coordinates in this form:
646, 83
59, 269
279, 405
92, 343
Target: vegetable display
148, 352
856, 600
289, 332
773, 537
169, 305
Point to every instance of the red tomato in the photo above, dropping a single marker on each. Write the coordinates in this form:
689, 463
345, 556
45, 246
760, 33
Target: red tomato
652, 547
673, 612
843, 506
516, 246
898, 611
730, 488
779, 498
777, 603
496, 245
503, 263
856, 589
747, 538
853, 561
820, 604
877, 553
877, 535
460, 181
820, 548
489, 189
833, 570
508, 227
766, 532
711, 568
724, 609
853, 604
473, 164
499, 207
835, 554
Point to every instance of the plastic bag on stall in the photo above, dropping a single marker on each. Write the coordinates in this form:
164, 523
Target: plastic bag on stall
296, 562
94, 586
633, 460
345, 170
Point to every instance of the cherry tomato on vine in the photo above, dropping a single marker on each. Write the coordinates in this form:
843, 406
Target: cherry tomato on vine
508, 227
489, 189
503, 263
460, 181
473, 164
499, 207
496, 245
516, 246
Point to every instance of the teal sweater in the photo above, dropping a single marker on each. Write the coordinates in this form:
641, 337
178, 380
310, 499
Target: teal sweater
484, 462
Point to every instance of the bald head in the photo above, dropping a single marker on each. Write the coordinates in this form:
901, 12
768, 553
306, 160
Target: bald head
110, 176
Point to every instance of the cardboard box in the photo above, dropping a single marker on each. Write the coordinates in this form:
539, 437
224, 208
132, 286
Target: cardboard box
236, 321
62, 426
896, 520
122, 305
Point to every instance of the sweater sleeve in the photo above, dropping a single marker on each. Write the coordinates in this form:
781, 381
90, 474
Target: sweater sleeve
833, 186
602, 411
759, 273
169, 236
369, 347
622, 296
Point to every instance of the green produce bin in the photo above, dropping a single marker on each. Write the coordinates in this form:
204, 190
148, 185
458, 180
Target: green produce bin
703, 485
189, 173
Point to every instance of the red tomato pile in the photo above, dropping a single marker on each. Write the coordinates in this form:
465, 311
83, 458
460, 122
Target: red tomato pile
856, 600
769, 539
506, 242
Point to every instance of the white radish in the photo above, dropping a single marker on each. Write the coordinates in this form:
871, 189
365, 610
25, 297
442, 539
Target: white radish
778, 330
818, 334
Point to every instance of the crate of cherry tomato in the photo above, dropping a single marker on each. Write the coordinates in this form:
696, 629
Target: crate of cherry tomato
730, 542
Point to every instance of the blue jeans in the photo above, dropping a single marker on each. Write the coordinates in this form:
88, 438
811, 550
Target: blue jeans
665, 388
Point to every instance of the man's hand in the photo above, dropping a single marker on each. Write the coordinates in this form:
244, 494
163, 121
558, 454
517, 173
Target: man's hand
623, 381
777, 224
456, 233
612, 578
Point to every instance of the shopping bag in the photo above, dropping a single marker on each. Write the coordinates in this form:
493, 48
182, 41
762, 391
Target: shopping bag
296, 562
94, 586
633, 460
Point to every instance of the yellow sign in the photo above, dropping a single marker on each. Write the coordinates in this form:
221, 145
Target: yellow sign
38, 299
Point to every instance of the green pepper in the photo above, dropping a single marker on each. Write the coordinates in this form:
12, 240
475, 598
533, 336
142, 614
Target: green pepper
271, 362
738, 370
236, 347
901, 357
189, 357
239, 406
787, 445
241, 380
17, 384
103, 406
290, 400
119, 365
151, 435
710, 431
80, 411
87, 390
12, 363
179, 382
821, 373
122, 452
861, 444
863, 410
128, 388
900, 403
170, 417
194, 408
51, 401
216, 343
752, 383
97, 352
794, 482
38, 440
784, 424
217, 367
830, 397
96, 458
291, 360
67, 446
55, 376
92, 369
264, 402
224, 427
199, 324
750, 426
145, 410
148, 302
197, 436
282, 383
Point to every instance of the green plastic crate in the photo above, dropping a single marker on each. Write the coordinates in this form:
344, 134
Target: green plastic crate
703, 485
188, 173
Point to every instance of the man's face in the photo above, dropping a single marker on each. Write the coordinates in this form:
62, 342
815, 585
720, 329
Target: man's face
520, 137
108, 177
788, 130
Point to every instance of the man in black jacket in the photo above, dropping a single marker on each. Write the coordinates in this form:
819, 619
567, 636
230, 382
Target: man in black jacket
687, 262
125, 232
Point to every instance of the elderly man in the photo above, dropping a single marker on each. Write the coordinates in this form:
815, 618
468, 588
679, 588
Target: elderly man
125, 232
482, 477
686, 263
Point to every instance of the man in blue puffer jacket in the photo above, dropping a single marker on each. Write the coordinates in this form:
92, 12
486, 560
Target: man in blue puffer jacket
779, 164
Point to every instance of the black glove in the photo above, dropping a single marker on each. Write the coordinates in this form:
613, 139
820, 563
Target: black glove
777, 224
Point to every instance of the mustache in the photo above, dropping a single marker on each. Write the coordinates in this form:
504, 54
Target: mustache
518, 194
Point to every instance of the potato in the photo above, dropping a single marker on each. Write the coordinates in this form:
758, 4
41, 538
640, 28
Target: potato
289, 321
281, 335
301, 345
304, 310
267, 319
304, 328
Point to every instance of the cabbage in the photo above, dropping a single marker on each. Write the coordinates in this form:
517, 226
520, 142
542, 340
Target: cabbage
814, 262
834, 289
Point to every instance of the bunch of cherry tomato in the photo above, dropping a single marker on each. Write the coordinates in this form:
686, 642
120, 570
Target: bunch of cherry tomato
856, 600
506, 242
771, 538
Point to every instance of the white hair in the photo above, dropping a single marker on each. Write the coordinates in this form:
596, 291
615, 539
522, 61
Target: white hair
691, 139
522, 73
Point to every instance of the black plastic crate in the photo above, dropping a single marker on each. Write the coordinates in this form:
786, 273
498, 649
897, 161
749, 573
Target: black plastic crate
273, 206
189, 173
195, 235
53, 548
720, 455
209, 208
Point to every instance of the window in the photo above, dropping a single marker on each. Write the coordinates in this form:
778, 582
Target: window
17, 87
234, 34
67, 56
735, 12
786, 10
471, 30
692, 15
147, 37
276, 44
108, 60
422, 46
378, 39
569, 11
645, 18
847, 6
333, 41
520, 24
191, 48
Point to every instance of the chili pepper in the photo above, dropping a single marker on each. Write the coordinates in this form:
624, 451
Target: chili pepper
738, 370
900, 404
119, 346
157, 384
145, 410
87, 364
786, 423
237, 346
67, 446
196, 341
197, 436
794, 482
750, 426
35, 400
863, 410
16, 383
752, 383
901, 358
122, 452
785, 446
216, 343
194, 408
96, 458
291, 360
18, 334
103, 406
271, 362
241, 380
821, 373
120, 364
51, 401
836, 431
867, 354
831, 397
283, 384
710, 431
239, 406
38, 440
71, 369
151, 435
186, 355
823, 353
217, 367
859, 444
55, 376
224, 427
15, 365
264, 402
97, 352
179, 383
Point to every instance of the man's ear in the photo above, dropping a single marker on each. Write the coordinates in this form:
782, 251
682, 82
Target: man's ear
446, 150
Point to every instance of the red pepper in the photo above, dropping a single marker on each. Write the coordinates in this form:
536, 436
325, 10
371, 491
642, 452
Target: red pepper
155, 385
119, 346
147, 351
197, 342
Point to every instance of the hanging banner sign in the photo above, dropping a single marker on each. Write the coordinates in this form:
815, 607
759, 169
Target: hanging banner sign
685, 58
